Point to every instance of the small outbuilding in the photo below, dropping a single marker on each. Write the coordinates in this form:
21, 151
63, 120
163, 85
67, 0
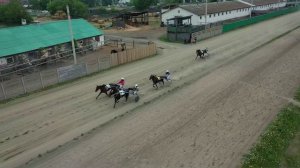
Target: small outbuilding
131, 18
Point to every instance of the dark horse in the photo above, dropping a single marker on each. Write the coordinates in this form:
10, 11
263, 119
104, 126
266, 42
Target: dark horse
120, 94
157, 79
106, 88
125, 93
201, 53
113, 51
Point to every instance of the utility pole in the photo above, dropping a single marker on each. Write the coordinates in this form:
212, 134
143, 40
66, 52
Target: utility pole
205, 12
71, 35
251, 8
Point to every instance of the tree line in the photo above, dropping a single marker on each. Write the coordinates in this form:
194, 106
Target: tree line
13, 12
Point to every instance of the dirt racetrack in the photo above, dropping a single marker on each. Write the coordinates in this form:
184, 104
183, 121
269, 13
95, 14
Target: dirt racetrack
208, 117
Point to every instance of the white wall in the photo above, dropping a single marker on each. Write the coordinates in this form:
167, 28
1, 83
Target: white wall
124, 1
178, 12
211, 18
270, 6
216, 17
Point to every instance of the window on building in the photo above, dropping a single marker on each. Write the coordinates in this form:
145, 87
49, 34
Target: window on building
9, 60
222, 13
209, 15
178, 11
200, 17
218, 14
214, 15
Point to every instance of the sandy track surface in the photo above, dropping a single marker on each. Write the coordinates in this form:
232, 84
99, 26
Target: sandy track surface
222, 113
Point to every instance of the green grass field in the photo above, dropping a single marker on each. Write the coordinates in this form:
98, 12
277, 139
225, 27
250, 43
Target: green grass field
279, 146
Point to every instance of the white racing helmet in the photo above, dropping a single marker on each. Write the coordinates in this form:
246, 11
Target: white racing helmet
136, 85
167, 71
122, 78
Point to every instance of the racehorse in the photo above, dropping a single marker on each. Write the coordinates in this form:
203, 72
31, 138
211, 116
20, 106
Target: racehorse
157, 79
201, 53
125, 93
105, 88
113, 51
114, 89
205, 51
120, 94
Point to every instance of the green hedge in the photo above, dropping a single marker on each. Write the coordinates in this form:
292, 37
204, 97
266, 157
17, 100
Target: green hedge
256, 19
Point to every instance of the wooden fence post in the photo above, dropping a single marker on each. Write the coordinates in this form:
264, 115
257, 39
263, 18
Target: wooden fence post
57, 75
118, 58
98, 61
110, 61
86, 69
126, 56
41, 78
3, 91
23, 84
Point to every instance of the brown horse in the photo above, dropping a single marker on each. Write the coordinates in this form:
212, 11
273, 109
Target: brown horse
106, 88
157, 79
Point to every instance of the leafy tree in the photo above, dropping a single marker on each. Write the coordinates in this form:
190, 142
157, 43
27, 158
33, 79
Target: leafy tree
13, 13
106, 2
174, 1
90, 3
39, 4
77, 8
143, 4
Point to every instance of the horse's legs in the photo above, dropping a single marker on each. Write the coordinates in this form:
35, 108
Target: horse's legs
115, 104
116, 101
98, 95
110, 92
155, 85
198, 55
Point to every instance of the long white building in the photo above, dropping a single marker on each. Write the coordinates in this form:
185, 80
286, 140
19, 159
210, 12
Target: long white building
220, 11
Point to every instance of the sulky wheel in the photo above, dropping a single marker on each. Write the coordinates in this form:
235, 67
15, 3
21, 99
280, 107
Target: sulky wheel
137, 98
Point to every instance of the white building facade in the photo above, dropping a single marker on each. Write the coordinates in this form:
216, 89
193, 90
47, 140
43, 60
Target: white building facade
221, 11
264, 5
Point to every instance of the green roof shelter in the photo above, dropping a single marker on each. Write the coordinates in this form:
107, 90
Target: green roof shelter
20, 39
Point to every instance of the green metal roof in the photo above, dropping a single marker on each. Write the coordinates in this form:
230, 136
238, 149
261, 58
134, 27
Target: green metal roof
21, 39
